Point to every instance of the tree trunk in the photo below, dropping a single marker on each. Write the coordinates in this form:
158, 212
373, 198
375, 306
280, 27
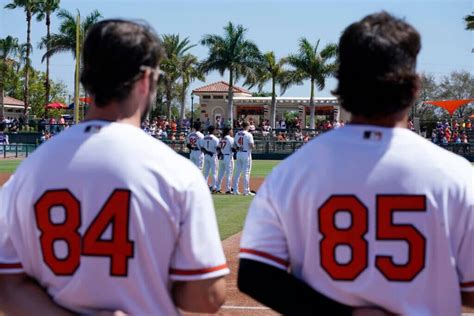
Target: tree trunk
183, 104
311, 106
274, 104
168, 100
230, 99
48, 35
2, 92
27, 64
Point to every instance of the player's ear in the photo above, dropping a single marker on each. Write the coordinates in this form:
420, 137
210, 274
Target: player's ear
145, 81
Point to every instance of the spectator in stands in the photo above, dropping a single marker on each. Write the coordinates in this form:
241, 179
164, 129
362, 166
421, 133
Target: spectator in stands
298, 134
283, 125
252, 127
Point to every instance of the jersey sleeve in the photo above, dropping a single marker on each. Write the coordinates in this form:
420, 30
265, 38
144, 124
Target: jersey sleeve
9, 260
251, 142
465, 232
198, 253
263, 237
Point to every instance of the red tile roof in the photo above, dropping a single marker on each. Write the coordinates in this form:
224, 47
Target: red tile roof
11, 101
220, 86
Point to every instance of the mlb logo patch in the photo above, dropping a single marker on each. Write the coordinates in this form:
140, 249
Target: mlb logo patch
92, 129
373, 135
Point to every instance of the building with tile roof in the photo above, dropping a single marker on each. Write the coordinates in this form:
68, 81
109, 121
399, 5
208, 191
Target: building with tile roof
213, 105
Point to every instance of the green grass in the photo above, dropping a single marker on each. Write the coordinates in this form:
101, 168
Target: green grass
261, 168
8, 166
231, 212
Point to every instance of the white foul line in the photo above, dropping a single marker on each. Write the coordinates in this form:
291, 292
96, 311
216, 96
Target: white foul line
245, 307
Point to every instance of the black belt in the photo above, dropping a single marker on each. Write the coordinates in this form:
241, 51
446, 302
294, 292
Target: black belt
226, 154
243, 151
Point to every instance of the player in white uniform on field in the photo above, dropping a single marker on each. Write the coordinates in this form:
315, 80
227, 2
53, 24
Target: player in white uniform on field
370, 214
244, 143
226, 164
193, 142
209, 145
119, 221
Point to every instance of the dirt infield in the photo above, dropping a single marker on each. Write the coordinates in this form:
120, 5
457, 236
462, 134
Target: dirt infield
4, 177
238, 303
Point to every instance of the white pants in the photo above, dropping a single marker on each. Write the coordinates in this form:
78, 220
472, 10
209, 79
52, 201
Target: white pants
226, 167
210, 167
196, 157
243, 165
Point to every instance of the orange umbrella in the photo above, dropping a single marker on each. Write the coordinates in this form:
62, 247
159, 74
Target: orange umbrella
450, 105
56, 105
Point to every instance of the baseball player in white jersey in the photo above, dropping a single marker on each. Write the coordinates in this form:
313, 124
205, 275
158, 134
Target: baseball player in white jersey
193, 141
370, 214
119, 222
226, 160
209, 145
244, 143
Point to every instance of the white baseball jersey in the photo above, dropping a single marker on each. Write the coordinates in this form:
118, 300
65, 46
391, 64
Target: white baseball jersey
194, 139
244, 141
370, 216
226, 145
210, 143
110, 221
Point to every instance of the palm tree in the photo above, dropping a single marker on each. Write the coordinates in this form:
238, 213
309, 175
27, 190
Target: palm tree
65, 40
311, 64
30, 7
45, 9
175, 49
22, 60
469, 19
8, 46
232, 53
274, 71
189, 71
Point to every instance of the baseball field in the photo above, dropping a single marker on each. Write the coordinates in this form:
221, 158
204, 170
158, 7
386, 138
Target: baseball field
230, 211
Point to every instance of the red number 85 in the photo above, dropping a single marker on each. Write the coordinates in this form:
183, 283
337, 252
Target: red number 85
353, 236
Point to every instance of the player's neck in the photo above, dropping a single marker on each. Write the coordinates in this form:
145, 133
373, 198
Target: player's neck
113, 112
396, 120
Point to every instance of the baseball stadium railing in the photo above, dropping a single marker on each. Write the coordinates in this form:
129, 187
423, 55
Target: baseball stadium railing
16, 150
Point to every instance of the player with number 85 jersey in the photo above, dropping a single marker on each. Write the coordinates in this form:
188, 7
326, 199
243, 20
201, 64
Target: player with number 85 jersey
370, 214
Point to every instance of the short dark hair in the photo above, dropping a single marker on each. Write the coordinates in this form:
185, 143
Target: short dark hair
377, 66
245, 124
197, 126
114, 54
211, 129
226, 131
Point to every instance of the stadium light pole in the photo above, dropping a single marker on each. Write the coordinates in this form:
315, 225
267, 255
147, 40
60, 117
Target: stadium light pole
192, 109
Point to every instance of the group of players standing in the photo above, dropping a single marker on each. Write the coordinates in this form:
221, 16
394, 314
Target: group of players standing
206, 152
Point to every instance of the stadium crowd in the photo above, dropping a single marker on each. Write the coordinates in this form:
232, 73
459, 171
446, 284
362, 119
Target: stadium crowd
454, 132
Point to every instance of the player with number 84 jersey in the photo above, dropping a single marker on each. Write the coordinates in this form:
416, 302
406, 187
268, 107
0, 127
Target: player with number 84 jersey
113, 228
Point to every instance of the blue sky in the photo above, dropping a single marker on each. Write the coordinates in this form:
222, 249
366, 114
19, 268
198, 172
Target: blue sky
274, 25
